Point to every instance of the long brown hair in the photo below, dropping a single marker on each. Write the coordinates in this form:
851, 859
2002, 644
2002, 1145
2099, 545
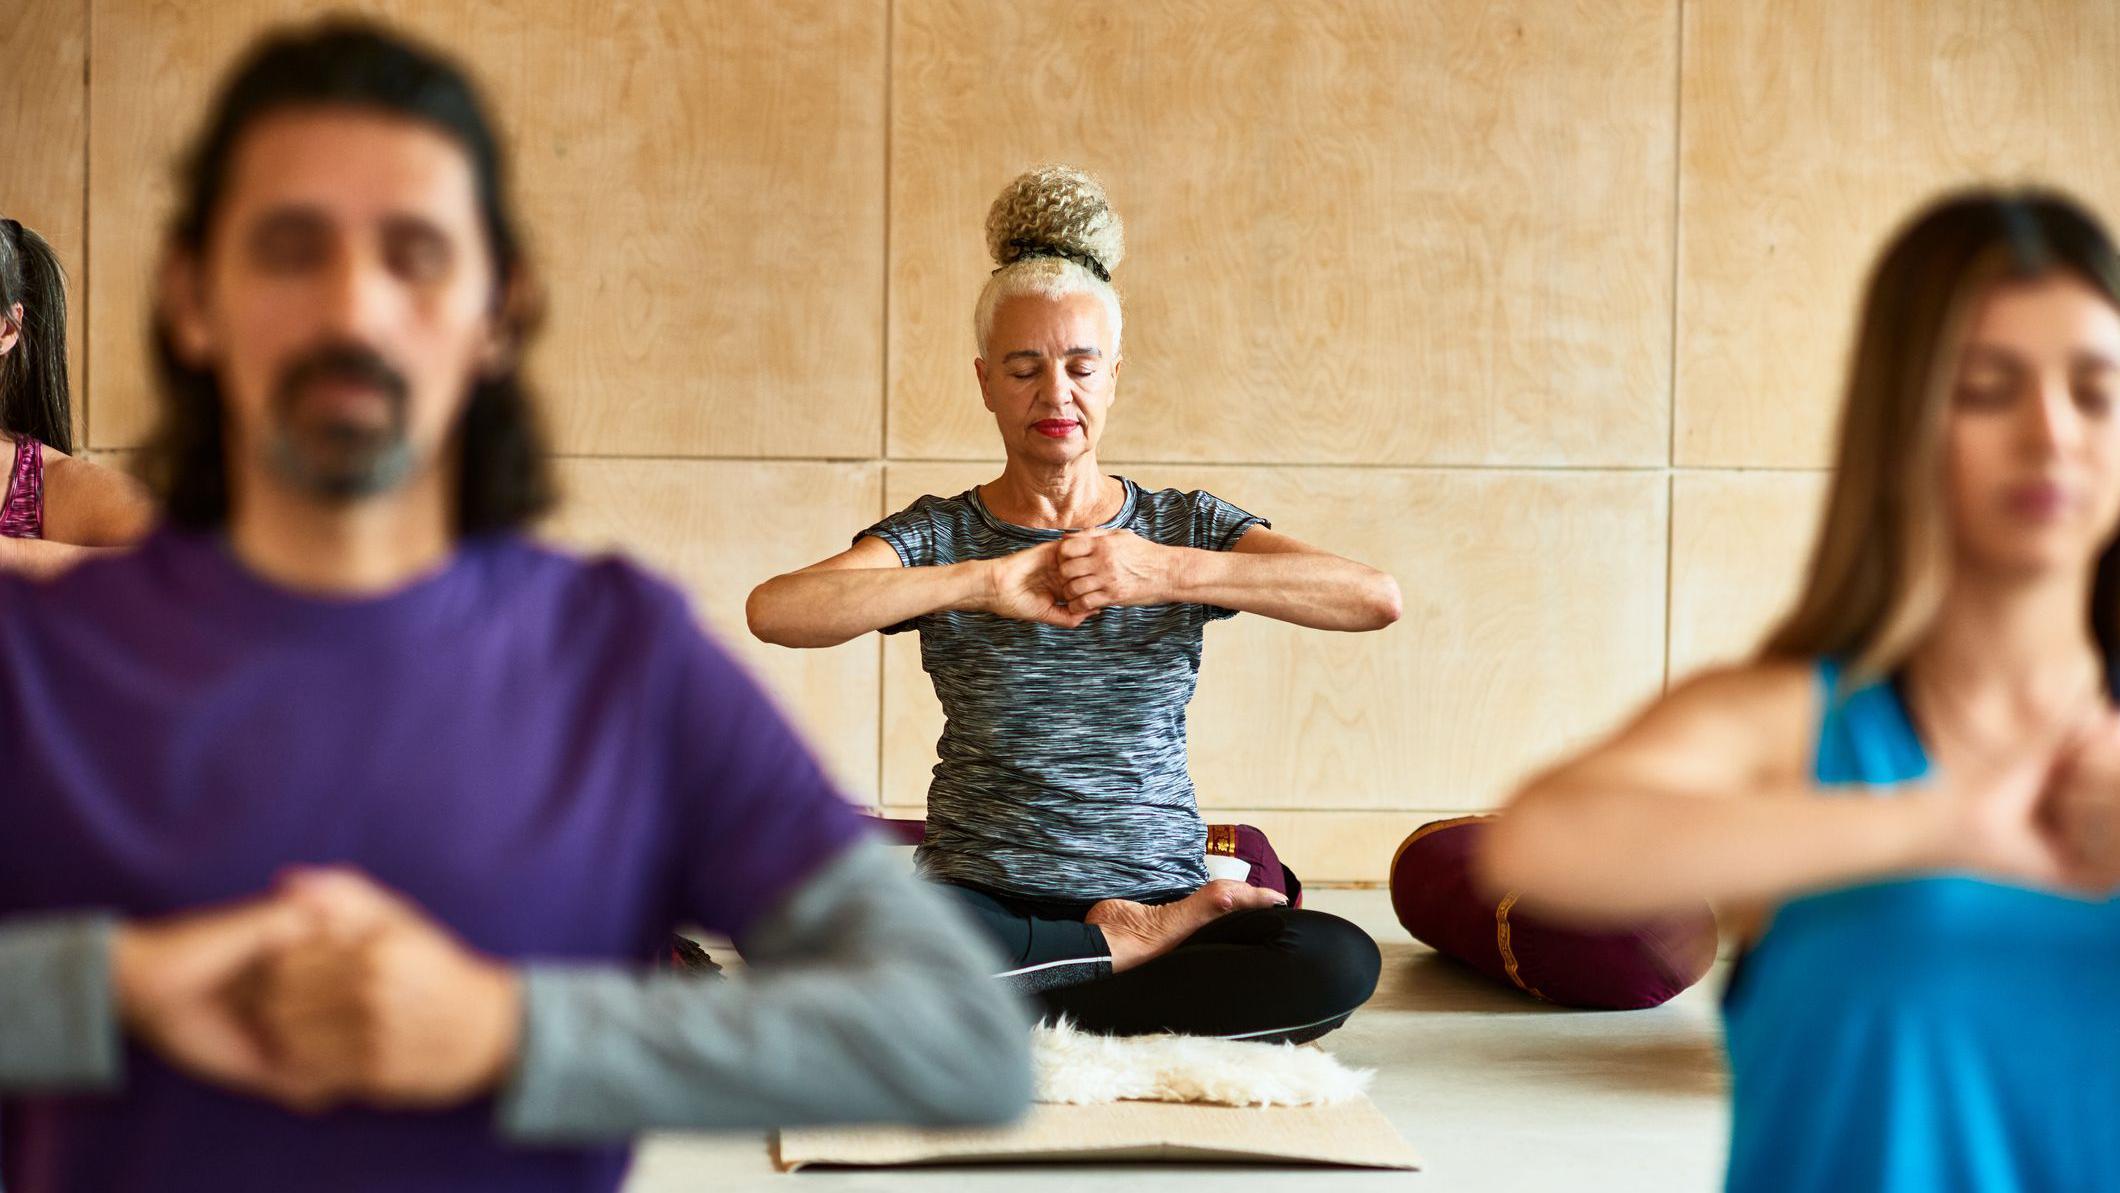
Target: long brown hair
35, 400
1883, 554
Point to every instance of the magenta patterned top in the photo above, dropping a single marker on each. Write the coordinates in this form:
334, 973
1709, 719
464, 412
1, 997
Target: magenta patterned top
22, 517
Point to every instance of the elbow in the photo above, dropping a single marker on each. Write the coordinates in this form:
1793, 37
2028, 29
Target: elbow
755, 616
1385, 604
1376, 603
779, 618
976, 1044
1001, 1078
992, 1079
760, 615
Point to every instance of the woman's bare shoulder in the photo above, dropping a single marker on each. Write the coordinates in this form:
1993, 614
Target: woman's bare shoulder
92, 504
1751, 688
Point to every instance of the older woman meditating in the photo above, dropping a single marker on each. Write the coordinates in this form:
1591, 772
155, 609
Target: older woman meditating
1060, 612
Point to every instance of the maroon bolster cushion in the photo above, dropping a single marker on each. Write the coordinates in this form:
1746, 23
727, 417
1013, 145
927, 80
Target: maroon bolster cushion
1640, 965
901, 832
1249, 844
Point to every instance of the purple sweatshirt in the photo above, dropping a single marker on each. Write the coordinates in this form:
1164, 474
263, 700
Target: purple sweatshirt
544, 753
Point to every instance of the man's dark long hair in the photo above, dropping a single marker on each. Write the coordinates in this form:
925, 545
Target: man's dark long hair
505, 479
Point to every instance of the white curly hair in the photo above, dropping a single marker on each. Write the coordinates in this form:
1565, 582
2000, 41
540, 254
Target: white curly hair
1052, 232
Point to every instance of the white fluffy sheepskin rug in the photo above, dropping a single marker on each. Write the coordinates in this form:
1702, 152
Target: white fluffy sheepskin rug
1079, 1068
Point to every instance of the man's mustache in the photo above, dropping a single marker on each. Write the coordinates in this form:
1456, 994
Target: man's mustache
345, 363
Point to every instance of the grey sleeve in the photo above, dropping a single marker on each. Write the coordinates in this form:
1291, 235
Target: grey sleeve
58, 1015
865, 997
1217, 524
911, 532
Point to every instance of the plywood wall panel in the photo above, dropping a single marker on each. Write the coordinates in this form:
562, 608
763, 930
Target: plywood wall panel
1359, 230
1740, 548
1811, 130
1401, 277
701, 183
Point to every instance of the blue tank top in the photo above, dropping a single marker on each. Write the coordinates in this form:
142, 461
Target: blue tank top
1923, 1035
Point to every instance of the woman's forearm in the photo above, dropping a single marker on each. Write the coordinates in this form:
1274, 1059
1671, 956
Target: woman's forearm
1314, 589
1608, 854
829, 606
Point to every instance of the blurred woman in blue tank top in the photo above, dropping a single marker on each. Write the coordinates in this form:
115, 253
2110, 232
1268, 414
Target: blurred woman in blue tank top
1909, 802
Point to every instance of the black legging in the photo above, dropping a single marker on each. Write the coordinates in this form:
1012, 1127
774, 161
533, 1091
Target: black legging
1273, 974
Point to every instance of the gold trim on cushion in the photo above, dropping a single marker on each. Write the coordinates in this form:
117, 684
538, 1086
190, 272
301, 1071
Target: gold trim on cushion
1426, 829
1501, 941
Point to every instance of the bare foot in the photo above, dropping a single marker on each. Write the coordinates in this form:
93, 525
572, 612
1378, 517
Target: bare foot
1137, 932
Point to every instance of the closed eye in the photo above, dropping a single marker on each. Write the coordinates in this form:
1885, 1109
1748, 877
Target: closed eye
289, 241
417, 250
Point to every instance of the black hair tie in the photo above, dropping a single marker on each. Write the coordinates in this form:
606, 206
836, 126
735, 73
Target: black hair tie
1027, 248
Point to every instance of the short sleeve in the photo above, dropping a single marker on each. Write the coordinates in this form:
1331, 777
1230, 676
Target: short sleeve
1216, 526
915, 534
759, 816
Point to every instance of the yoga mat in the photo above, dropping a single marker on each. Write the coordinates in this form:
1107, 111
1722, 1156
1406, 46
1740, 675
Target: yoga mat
1351, 1134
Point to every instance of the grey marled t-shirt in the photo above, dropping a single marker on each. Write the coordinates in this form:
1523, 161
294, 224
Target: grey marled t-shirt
1062, 771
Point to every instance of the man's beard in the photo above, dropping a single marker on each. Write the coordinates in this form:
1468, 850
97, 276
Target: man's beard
338, 459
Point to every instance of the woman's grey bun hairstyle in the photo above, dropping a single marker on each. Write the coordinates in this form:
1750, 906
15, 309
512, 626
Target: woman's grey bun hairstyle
1051, 232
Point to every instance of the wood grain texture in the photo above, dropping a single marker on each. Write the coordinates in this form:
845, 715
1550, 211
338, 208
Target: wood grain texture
1400, 277
44, 127
1811, 130
702, 183
1740, 548
718, 528
1533, 617
1359, 230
